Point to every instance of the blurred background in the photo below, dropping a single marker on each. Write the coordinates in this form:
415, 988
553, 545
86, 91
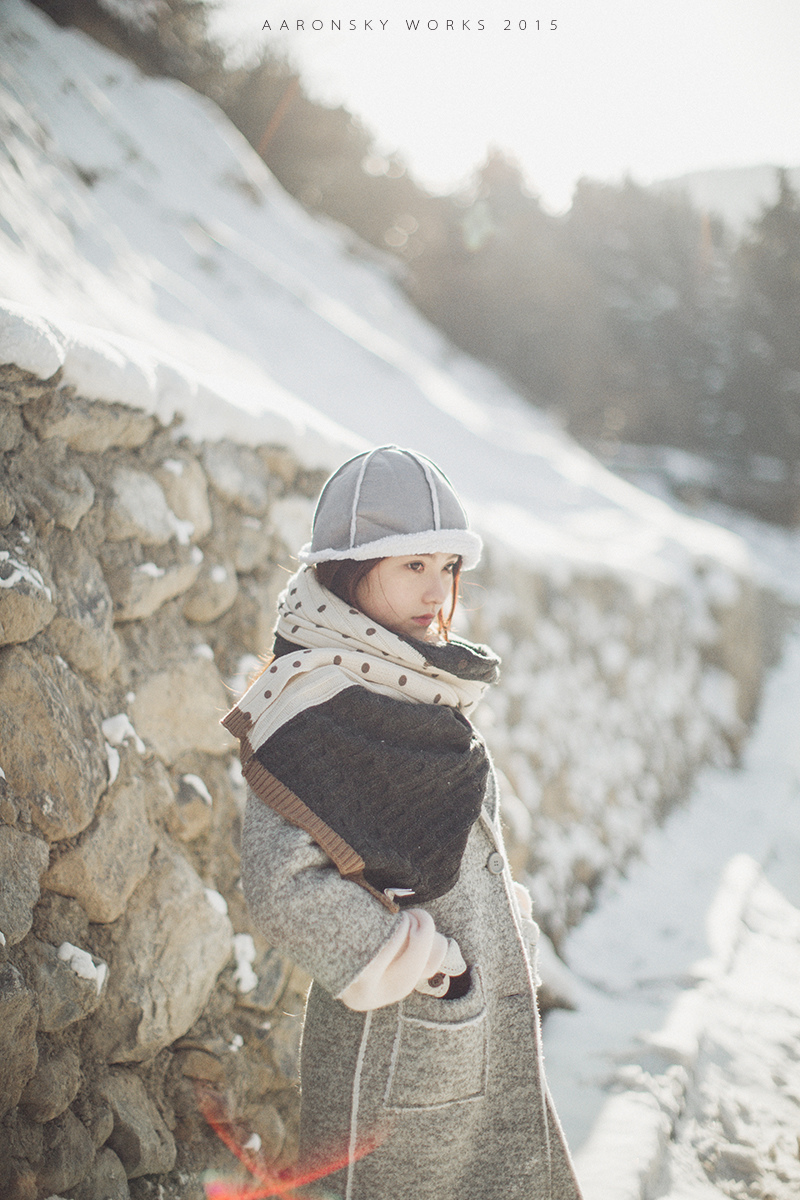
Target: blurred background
606, 212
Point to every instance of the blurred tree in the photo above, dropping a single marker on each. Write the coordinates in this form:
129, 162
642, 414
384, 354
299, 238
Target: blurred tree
763, 395
504, 284
322, 155
660, 267
163, 37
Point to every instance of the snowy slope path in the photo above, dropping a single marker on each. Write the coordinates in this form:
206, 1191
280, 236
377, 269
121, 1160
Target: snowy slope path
636, 951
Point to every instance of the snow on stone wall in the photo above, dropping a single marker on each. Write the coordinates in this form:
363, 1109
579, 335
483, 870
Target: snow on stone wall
615, 689
141, 552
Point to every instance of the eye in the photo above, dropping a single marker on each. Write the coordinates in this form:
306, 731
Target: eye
416, 566
450, 568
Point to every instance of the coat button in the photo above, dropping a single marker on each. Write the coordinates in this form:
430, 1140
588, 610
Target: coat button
495, 863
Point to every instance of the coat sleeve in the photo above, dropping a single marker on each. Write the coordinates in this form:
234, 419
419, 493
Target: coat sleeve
298, 900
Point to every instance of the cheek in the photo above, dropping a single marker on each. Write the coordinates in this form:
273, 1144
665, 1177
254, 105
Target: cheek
378, 596
399, 592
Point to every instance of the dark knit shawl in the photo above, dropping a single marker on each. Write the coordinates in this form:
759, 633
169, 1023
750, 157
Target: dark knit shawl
401, 783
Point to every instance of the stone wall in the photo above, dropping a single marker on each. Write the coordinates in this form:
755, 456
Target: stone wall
138, 578
615, 689
135, 573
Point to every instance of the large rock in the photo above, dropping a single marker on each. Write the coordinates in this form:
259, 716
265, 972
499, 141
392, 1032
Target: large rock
68, 982
186, 489
8, 506
140, 1139
250, 623
253, 545
167, 951
291, 518
21, 1142
18, 1053
11, 428
26, 601
67, 1155
139, 589
42, 353
59, 919
51, 745
67, 493
107, 1179
87, 425
111, 858
23, 859
138, 509
83, 628
238, 476
179, 710
192, 813
55, 1084
213, 593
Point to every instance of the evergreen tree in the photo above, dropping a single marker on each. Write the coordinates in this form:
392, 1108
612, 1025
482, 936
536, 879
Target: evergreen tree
163, 37
660, 268
764, 390
505, 286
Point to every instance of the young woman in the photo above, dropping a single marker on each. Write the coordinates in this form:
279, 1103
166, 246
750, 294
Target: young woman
372, 855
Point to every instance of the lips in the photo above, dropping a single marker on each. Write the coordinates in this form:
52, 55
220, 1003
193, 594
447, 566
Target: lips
426, 620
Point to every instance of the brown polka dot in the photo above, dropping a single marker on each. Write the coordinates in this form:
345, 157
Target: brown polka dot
267, 695
297, 664
272, 670
354, 612
295, 628
337, 660
365, 667
322, 608
370, 632
293, 592
346, 637
437, 698
403, 680
299, 604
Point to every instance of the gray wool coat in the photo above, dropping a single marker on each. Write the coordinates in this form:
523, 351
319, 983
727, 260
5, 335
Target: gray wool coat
452, 1091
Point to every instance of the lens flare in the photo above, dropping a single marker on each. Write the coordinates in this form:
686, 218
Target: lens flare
268, 1183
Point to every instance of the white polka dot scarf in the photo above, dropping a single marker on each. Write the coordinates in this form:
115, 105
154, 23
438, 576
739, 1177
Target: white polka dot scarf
341, 647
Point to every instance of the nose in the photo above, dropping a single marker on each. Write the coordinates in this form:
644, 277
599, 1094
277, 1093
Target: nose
437, 590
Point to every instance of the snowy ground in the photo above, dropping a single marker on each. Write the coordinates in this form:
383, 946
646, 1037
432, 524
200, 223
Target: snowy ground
716, 1113
635, 952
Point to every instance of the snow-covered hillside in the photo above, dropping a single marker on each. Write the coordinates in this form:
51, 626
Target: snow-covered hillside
629, 631
132, 204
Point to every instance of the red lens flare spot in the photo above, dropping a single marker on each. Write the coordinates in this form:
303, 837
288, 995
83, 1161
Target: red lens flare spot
268, 1182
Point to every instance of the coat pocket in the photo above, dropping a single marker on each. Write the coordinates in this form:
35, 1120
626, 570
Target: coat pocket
439, 1055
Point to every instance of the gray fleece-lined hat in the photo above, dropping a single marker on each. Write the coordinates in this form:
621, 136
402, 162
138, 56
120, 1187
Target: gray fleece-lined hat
387, 502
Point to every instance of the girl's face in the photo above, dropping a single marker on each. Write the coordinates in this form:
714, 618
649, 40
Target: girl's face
406, 593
